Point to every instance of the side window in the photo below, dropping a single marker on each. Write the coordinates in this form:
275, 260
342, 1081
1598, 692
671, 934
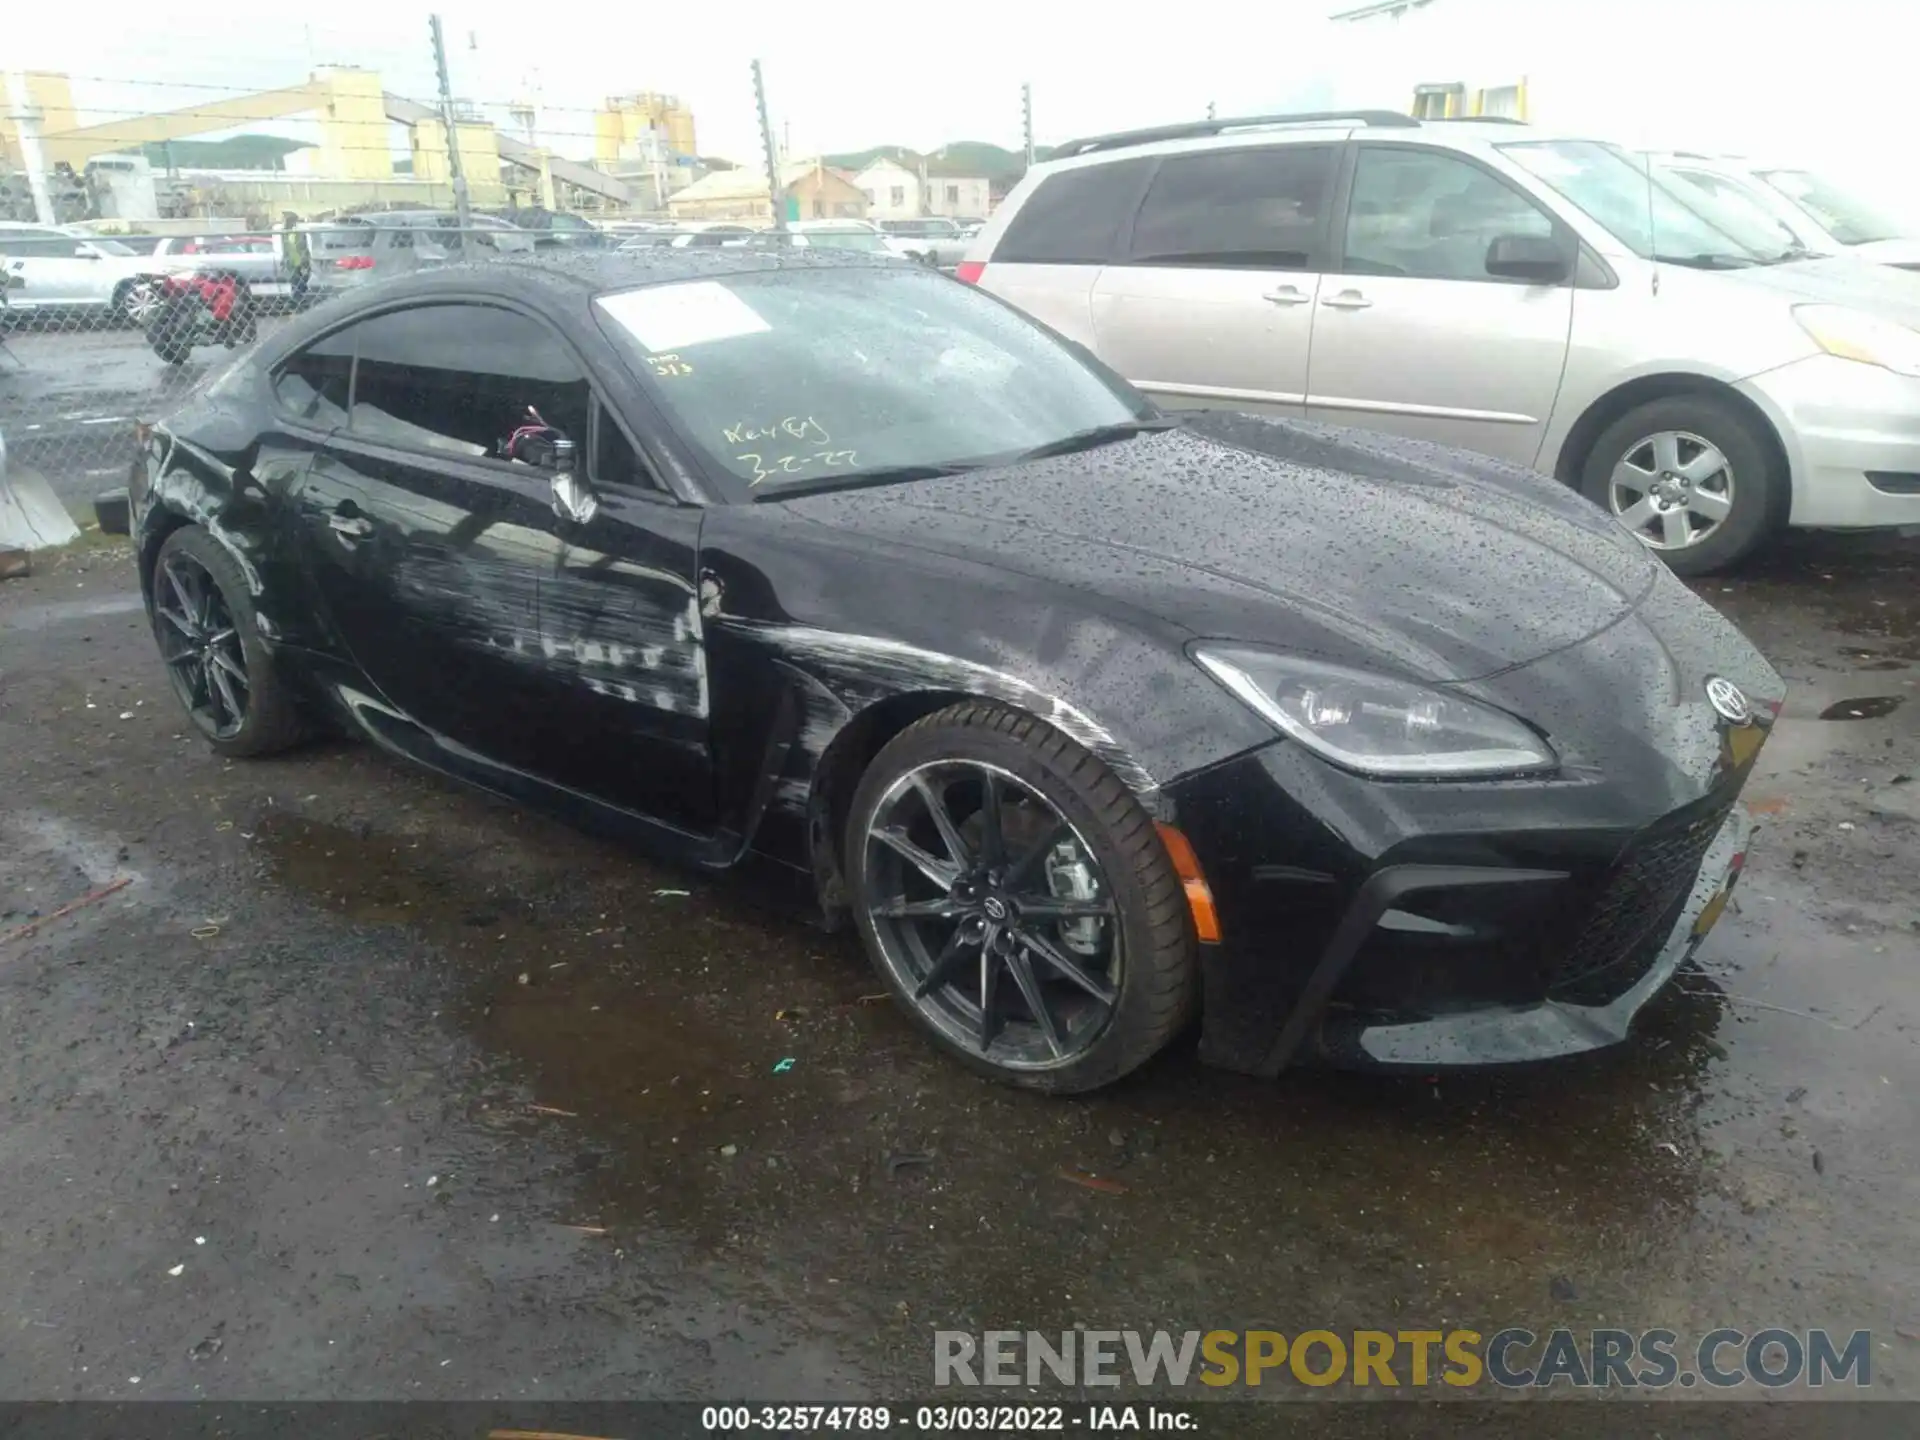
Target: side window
1074, 217
311, 385
463, 379
1431, 216
1262, 209
615, 462
38, 247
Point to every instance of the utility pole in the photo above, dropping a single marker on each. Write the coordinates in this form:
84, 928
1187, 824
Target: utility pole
26, 122
454, 167
773, 163
1026, 120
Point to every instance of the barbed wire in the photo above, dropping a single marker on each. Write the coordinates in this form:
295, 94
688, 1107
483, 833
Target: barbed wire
434, 104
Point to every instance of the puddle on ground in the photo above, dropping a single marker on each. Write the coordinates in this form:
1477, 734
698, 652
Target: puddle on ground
1863, 707
646, 1031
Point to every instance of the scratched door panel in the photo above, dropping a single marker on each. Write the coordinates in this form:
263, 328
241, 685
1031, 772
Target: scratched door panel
429, 574
624, 709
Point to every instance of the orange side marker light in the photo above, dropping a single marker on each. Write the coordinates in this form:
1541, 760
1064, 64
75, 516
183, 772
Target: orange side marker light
1206, 919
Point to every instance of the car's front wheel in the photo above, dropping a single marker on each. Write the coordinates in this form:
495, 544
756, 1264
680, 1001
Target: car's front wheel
221, 670
1693, 477
1018, 901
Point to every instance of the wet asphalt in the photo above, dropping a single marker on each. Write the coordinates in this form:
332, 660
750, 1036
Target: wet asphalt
365, 1085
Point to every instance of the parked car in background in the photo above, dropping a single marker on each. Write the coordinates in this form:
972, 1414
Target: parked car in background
553, 227
1092, 721
1549, 301
696, 236
55, 270
254, 258
933, 238
1822, 215
376, 244
823, 235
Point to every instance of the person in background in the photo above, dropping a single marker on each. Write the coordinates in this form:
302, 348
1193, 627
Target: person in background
295, 257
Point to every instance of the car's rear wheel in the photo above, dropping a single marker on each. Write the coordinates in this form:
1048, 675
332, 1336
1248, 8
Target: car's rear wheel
136, 302
224, 675
1018, 901
1692, 477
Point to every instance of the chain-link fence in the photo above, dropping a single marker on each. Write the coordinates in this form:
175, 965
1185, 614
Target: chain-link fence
99, 332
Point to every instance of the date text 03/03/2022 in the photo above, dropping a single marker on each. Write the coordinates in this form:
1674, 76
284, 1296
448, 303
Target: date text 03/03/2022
941, 1419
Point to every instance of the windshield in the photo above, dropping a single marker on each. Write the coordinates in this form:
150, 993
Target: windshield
111, 247
1716, 194
801, 376
1849, 219
1656, 218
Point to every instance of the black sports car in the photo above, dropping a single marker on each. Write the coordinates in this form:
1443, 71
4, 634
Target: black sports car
1092, 719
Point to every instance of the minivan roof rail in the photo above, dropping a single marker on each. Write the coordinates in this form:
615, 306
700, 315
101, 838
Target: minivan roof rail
1477, 119
1391, 119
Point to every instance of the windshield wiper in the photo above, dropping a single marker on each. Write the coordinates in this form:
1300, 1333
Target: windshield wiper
1098, 435
857, 479
1708, 260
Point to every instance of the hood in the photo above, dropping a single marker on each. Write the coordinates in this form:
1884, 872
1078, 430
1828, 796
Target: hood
1879, 289
1323, 541
1903, 250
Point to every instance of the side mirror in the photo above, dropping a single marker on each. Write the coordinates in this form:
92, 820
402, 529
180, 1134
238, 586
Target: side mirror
573, 498
86, 252
1536, 259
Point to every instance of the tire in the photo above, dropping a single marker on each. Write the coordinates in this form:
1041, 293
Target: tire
121, 307
269, 720
1700, 427
1141, 953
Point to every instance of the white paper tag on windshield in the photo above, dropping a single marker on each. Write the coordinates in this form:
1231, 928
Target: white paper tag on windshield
672, 317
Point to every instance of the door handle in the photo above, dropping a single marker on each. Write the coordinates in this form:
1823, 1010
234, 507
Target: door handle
1286, 295
355, 526
1347, 300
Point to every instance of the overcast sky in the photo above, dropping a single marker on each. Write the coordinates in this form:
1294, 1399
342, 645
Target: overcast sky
1756, 76
842, 75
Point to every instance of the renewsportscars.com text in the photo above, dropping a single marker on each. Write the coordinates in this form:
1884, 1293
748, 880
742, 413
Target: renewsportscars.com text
1510, 1359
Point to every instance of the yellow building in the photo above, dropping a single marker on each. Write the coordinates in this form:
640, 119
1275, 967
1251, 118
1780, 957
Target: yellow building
623, 130
479, 157
52, 95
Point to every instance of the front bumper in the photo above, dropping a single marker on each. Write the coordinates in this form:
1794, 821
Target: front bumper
1852, 434
1554, 1027
1444, 925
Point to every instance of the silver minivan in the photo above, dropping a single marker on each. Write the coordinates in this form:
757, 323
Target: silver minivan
1543, 300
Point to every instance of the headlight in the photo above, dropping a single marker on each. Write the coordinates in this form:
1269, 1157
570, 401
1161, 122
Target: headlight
1855, 335
1375, 725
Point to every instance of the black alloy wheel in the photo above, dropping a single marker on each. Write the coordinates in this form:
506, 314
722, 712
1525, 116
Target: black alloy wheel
200, 645
225, 677
1018, 901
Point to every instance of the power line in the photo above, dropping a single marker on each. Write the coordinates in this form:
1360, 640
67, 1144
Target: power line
258, 89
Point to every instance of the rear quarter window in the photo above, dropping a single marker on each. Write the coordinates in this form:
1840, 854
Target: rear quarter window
1075, 217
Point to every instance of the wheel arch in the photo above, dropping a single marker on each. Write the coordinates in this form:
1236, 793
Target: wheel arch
1631, 394
836, 776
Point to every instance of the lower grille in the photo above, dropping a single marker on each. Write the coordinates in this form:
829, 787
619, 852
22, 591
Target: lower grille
1639, 904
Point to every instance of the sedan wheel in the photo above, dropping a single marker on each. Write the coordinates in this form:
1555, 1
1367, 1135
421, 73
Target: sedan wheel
1018, 901
200, 646
223, 673
1000, 925
1673, 489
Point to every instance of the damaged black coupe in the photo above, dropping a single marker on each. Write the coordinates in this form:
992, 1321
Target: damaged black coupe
1094, 720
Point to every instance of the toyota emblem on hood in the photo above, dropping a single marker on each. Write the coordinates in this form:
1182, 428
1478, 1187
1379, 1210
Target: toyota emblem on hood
1728, 700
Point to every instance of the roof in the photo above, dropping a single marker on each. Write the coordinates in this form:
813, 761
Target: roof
748, 183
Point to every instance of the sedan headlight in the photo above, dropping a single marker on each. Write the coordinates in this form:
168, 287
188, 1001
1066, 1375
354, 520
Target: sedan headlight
1375, 725
1856, 335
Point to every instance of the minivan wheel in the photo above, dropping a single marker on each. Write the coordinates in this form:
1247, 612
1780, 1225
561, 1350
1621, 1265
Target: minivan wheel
1018, 901
1690, 476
